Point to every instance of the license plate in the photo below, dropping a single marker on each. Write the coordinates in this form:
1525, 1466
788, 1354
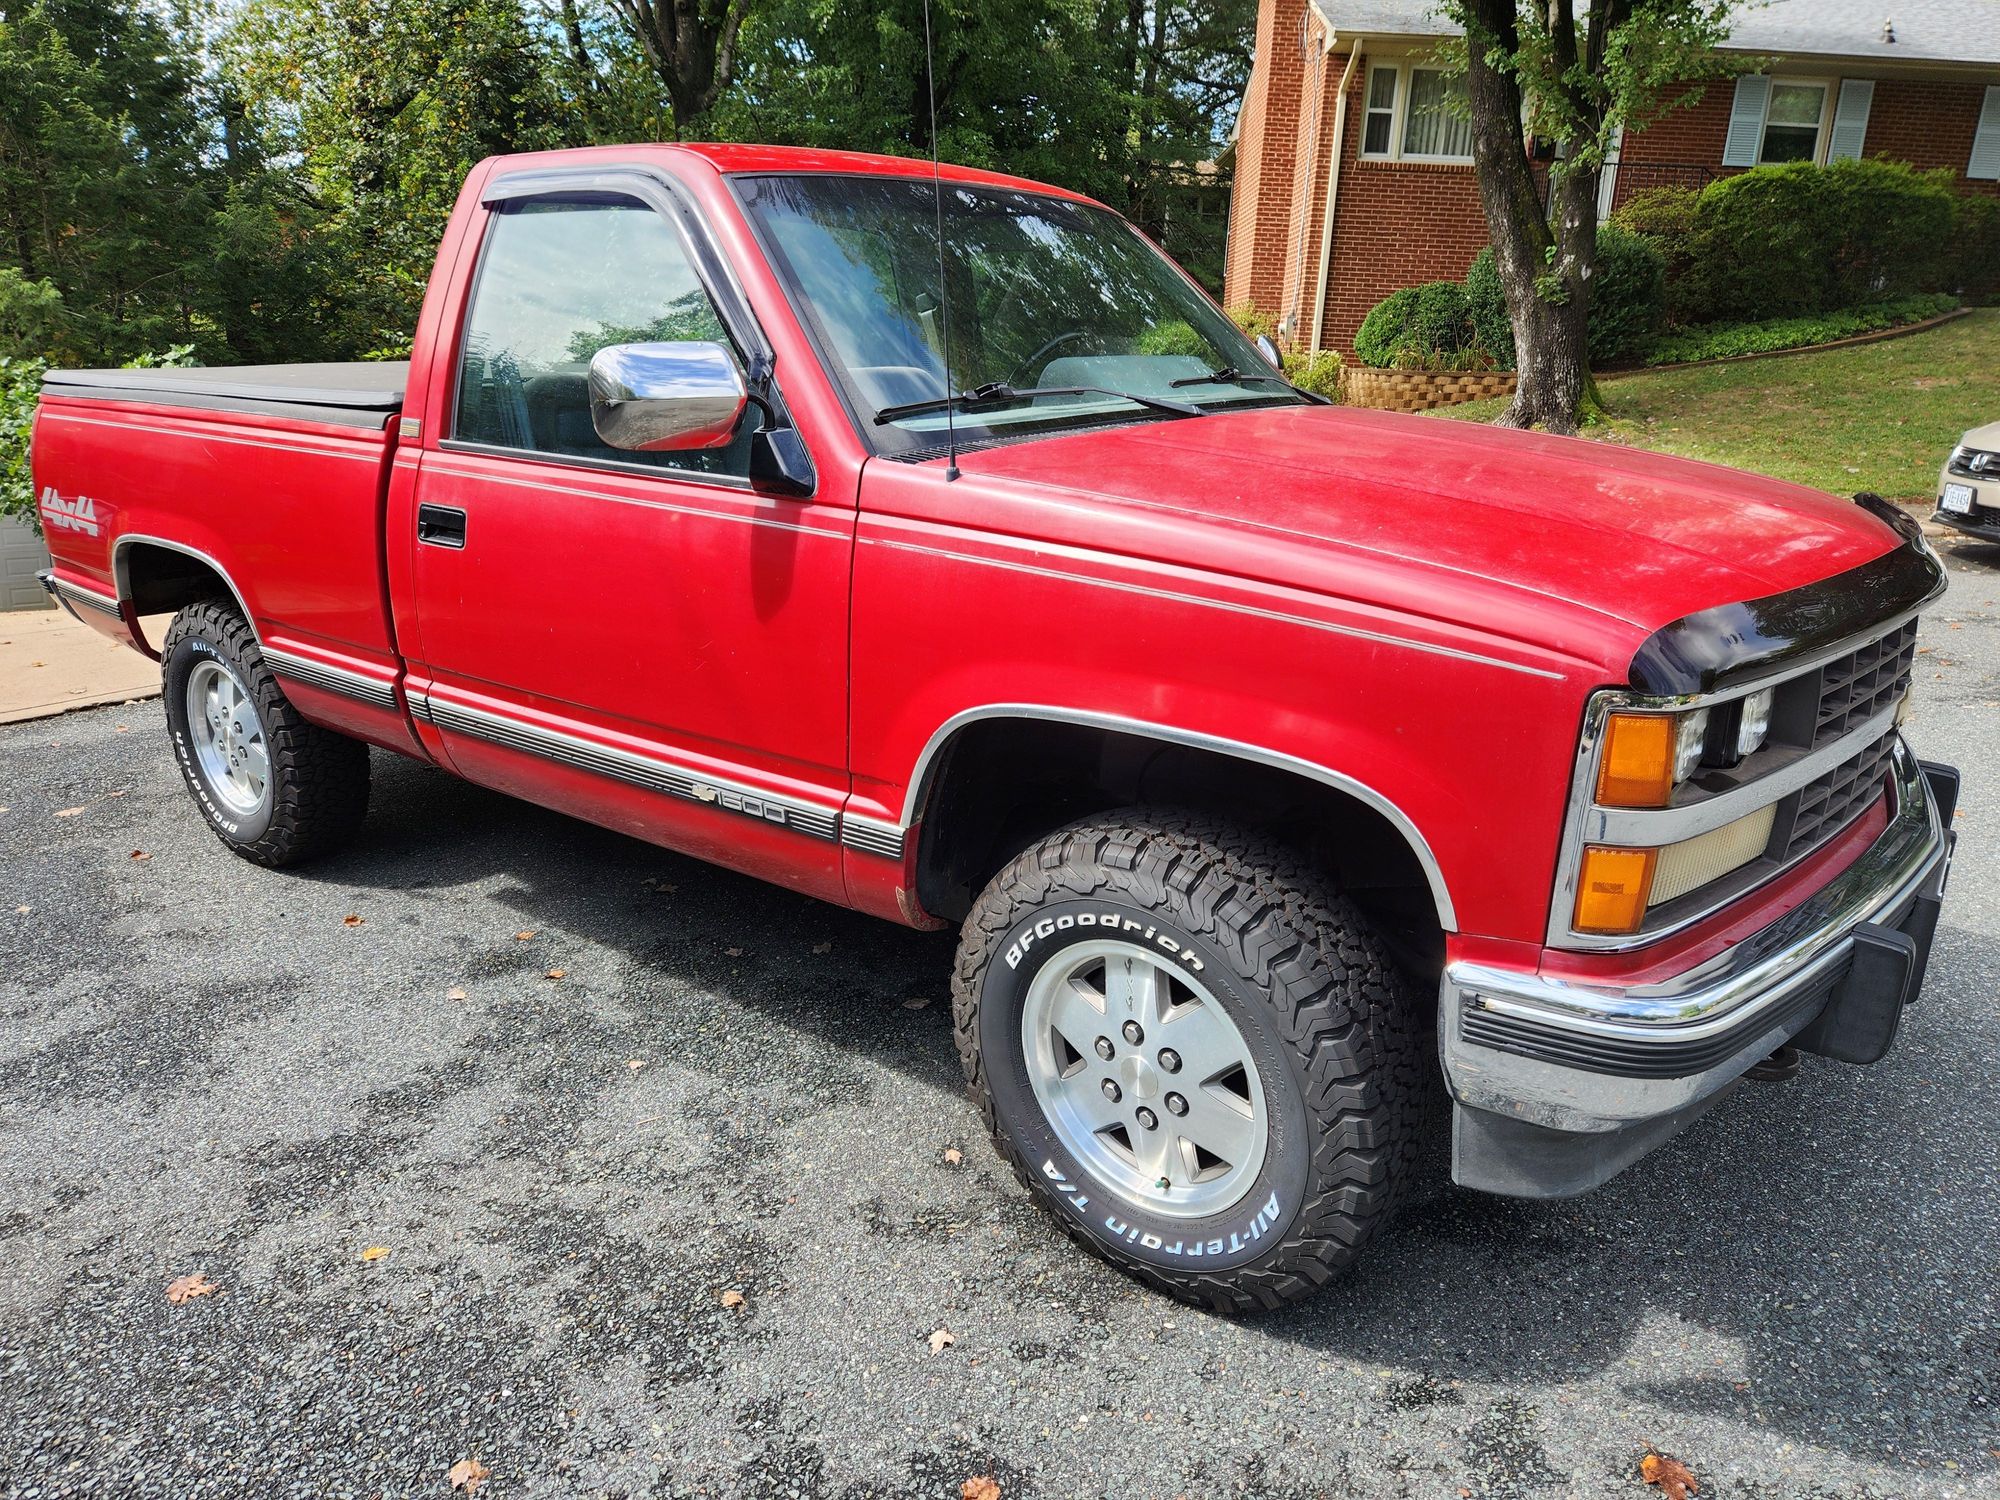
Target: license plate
1957, 498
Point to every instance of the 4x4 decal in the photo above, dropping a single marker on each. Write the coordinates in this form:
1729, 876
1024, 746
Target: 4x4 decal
79, 514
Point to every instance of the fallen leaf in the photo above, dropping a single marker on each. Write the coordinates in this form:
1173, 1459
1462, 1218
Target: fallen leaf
732, 1298
352, 919
915, 1002
953, 1156
733, 952
70, 812
124, 728
182, 1288
522, 937
1670, 1474
468, 1474
456, 992
375, 1252
942, 1340
636, 1063
822, 947
22, 911
980, 1487
555, 973
140, 854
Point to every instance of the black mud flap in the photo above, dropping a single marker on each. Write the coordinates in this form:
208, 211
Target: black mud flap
1861, 1016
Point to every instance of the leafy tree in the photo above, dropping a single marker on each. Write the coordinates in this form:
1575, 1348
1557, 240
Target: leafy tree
1574, 81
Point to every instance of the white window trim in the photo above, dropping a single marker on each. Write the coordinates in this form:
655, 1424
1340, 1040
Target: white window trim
1398, 113
1829, 89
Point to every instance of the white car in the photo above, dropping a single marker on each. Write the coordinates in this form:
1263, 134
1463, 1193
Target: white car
1969, 487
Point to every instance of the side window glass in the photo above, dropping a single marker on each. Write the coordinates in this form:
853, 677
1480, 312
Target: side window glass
558, 281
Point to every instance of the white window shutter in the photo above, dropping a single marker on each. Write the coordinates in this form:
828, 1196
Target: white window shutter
1746, 121
1850, 119
1985, 163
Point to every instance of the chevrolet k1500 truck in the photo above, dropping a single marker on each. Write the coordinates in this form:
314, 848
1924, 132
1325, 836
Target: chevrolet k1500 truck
1276, 761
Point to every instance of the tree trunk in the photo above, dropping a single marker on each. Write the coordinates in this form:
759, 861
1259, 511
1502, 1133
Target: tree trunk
1544, 259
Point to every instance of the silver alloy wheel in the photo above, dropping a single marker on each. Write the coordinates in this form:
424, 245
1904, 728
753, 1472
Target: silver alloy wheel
1145, 1078
228, 737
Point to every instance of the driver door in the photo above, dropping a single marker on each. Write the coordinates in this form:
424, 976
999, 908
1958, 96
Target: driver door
649, 640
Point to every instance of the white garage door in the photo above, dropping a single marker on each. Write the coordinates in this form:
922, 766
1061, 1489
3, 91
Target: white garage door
22, 556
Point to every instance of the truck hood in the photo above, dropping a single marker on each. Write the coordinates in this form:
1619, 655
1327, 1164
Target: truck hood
1463, 509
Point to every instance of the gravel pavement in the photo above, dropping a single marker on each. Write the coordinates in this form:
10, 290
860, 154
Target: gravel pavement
206, 1067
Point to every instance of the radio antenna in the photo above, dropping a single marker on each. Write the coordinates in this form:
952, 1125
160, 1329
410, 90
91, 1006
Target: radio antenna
944, 286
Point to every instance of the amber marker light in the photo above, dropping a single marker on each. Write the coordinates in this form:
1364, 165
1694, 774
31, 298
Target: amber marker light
1637, 767
1611, 889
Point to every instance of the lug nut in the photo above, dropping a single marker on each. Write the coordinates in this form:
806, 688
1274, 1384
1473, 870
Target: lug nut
1104, 1048
1148, 1119
1112, 1091
1176, 1105
1133, 1034
1170, 1060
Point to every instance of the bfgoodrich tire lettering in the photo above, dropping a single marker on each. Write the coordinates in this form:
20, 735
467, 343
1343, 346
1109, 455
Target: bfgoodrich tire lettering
317, 780
1312, 995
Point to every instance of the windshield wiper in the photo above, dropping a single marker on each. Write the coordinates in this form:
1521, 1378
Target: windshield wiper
998, 394
1230, 375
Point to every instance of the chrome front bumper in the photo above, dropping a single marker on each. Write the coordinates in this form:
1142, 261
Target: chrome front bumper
1558, 1086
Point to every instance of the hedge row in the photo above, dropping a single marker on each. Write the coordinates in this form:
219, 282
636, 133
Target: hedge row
1766, 255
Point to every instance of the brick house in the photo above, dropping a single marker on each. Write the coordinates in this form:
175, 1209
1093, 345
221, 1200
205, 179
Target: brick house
1345, 105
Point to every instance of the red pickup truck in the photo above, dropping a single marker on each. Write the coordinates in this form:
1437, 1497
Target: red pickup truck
1286, 768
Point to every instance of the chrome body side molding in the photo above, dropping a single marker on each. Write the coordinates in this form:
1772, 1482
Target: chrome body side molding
872, 835
74, 596
374, 691
651, 772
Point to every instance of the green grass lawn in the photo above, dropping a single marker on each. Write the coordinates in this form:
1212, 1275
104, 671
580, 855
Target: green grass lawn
1876, 417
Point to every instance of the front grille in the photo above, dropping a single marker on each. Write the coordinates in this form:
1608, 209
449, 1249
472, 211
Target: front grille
1974, 463
1857, 686
1833, 801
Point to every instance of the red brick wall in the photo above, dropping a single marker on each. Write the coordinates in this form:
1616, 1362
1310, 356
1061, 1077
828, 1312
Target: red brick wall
1396, 224
1928, 123
1260, 204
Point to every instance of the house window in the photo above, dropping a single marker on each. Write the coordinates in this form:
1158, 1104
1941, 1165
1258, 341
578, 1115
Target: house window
1375, 134
1791, 124
1416, 114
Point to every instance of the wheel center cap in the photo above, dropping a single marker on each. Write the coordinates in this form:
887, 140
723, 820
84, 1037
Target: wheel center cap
1139, 1078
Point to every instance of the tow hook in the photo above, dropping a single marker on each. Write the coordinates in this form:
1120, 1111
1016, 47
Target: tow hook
1778, 1067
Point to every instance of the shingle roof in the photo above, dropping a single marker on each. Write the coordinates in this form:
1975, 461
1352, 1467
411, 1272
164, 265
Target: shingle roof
1925, 30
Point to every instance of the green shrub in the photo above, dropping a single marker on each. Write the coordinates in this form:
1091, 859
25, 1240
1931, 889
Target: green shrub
1799, 239
1418, 327
1253, 323
1975, 237
1318, 373
20, 383
1628, 294
1769, 335
1492, 329
1627, 300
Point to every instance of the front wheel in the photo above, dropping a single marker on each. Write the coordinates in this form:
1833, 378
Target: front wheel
1195, 1054
274, 788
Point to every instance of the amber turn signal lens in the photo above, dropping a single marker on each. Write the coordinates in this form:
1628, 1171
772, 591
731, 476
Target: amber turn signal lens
1637, 767
1611, 889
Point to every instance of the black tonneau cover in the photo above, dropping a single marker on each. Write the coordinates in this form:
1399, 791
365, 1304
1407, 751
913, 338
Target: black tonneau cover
361, 394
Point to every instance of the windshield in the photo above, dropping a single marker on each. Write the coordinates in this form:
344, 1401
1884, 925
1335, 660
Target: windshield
1046, 295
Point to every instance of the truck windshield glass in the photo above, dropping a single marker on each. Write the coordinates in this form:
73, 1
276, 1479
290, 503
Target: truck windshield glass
1045, 294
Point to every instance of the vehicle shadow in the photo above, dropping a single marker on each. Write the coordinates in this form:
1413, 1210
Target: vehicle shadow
1811, 1240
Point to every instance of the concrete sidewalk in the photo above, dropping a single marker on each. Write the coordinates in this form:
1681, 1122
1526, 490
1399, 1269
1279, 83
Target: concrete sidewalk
49, 664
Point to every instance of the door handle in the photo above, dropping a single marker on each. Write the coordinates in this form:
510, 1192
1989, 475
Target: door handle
440, 526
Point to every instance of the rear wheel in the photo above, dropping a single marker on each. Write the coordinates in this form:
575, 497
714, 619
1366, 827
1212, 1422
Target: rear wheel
1196, 1054
275, 788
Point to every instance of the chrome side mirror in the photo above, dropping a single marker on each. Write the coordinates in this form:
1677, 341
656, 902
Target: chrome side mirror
657, 398
1268, 347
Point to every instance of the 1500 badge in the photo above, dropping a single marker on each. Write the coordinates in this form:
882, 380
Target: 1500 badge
79, 514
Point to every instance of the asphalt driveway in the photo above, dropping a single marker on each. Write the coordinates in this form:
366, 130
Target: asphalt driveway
205, 1067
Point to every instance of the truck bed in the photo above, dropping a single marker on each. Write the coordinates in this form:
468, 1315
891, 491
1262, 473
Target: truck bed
358, 394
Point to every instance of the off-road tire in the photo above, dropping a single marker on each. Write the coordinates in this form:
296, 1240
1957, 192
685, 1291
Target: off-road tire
1297, 968
318, 778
